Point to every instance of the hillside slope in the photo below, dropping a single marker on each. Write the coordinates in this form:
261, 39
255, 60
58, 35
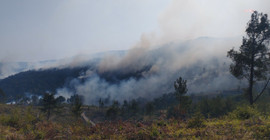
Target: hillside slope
38, 81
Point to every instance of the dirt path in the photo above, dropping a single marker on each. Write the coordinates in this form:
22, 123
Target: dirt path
87, 120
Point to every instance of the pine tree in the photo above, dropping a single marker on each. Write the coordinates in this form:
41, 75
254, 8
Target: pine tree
48, 103
252, 60
180, 86
2, 96
77, 104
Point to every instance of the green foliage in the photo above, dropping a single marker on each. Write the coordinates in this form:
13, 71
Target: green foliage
196, 121
154, 132
180, 110
23, 121
244, 112
125, 112
11, 120
38, 81
161, 123
29, 116
134, 107
60, 100
252, 60
2, 96
48, 103
180, 87
196, 127
76, 104
165, 101
262, 132
214, 107
253, 51
149, 108
113, 112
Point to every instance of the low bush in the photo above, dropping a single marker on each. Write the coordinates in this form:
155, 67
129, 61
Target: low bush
196, 121
11, 120
244, 112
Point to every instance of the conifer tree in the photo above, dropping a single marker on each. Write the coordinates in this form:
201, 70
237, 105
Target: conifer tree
252, 60
48, 104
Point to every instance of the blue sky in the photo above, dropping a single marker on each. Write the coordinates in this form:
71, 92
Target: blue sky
34, 30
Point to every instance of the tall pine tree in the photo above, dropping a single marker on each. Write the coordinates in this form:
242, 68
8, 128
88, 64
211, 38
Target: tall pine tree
49, 103
252, 60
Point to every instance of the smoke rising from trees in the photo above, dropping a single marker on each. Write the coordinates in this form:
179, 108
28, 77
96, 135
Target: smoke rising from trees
150, 72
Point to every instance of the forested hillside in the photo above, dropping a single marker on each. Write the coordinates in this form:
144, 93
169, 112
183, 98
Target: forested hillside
38, 81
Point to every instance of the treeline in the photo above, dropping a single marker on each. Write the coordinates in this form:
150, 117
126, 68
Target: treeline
176, 105
167, 107
38, 81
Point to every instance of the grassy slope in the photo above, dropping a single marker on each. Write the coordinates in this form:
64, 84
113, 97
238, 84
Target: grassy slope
21, 122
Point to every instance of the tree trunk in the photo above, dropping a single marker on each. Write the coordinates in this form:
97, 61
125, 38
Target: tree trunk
251, 76
49, 112
250, 87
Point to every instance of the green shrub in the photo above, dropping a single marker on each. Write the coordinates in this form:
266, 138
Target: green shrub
196, 121
262, 132
214, 107
244, 112
11, 120
161, 123
154, 133
178, 111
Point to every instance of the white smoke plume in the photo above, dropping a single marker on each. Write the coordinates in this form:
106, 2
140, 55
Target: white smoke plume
151, 72
176, 49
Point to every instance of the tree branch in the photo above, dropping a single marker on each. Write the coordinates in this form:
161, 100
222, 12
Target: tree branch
261, 91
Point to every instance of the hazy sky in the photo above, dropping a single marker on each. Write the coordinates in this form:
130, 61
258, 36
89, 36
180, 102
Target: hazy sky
34, 30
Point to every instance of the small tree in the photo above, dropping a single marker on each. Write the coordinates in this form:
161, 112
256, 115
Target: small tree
101, 103
48, 103
113, 111
125, 112
252, 60
180, 87
77, 102
134, 107
60, 100
2, 96
149, 108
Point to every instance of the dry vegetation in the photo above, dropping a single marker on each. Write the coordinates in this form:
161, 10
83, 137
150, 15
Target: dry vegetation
24, 122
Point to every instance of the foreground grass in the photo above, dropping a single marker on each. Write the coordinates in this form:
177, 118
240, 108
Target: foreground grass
19, 122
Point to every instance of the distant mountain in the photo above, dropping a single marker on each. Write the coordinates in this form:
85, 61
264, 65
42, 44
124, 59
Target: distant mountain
38, 81
23, 81
11, 68
139, 72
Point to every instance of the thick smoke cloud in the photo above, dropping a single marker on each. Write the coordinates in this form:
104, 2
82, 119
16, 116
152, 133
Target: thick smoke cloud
151, 72
189, 19
176, 49
7, 69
